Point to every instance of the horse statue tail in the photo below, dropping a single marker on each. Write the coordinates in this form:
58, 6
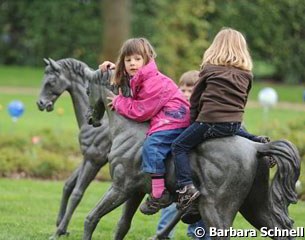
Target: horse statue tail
282, 190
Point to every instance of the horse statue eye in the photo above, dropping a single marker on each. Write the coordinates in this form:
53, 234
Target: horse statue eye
53, 82
88, 91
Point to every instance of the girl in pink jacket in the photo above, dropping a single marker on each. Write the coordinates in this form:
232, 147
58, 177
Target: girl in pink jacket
157, 99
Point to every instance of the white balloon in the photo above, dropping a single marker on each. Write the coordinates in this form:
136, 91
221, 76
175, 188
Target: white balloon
267, 97
298, 187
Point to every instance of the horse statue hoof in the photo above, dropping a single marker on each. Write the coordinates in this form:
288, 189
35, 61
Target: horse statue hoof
53, 237
57, 235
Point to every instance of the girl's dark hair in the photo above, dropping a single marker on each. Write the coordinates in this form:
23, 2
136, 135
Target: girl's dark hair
132, 46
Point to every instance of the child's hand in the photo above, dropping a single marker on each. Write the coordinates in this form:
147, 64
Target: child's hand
110, 103
106, 65
111, 96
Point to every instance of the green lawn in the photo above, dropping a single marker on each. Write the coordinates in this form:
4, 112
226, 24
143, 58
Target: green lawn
21, 76
33, 119
285, 92
257, 120
29, 207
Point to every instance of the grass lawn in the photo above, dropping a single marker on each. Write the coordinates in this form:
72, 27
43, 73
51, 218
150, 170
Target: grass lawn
257, 120
286, 93
29, 207
21, 76
62, 118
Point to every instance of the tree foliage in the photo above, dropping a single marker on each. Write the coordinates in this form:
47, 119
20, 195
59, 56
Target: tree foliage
274, 30
179, 30
181, 34
32, 30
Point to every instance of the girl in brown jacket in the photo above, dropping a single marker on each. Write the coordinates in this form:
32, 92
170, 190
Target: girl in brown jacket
217, 104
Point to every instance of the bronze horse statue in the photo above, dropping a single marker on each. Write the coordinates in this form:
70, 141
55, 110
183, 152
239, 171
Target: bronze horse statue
230, 173
68, 75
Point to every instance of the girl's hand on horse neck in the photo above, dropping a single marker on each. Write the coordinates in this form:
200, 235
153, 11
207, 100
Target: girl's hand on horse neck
106, 65
111, 97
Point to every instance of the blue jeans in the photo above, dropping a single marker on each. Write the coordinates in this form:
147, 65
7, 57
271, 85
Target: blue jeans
244, 133
191, 230
195, 134
167, 214
156, 148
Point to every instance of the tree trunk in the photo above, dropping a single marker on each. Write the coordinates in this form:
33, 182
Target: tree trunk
116, 20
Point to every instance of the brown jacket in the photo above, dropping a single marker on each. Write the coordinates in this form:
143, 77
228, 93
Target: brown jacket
220, 94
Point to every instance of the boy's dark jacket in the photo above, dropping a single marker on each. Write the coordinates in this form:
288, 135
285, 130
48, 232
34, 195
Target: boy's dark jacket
220, 94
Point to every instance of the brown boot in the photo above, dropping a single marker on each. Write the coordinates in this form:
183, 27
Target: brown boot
186, 196
153, 205
191, 214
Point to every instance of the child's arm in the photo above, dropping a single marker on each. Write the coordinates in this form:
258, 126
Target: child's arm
195, 98
156, 96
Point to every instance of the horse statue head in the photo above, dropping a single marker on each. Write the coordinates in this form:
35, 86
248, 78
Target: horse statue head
56, 80
99, 88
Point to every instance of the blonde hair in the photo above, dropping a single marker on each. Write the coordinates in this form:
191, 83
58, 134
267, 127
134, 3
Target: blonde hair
189, 78
229, 48
132, 46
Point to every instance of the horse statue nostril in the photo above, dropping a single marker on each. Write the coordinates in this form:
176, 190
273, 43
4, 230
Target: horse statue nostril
49, 106
40, 105
90, 121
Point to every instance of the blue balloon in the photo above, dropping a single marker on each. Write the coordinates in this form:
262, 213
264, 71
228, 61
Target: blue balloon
15, 108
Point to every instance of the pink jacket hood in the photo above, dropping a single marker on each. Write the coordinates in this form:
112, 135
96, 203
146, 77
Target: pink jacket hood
156, 98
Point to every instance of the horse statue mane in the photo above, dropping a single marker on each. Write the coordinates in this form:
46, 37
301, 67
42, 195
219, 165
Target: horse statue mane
230, 169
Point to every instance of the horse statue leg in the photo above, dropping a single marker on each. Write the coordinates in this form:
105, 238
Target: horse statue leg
268, 206
256, 209
86, 174
113, 198
66, 193
129, 210
217, 214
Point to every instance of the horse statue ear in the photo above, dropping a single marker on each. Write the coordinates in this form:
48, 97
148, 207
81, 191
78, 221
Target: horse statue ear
46, 61
54, 65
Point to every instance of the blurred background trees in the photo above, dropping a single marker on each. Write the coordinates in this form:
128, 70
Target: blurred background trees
93, 30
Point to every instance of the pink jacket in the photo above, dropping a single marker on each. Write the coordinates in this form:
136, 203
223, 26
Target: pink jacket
156, 98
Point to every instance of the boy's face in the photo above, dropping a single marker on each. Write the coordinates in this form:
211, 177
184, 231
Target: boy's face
187, 91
